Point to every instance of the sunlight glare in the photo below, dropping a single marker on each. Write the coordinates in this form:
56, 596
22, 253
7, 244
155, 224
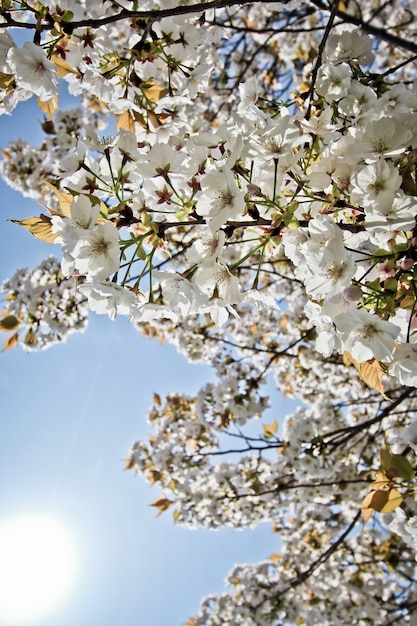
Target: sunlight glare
37, 568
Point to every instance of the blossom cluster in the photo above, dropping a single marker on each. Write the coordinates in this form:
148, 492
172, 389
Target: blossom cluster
263, 231
42, 307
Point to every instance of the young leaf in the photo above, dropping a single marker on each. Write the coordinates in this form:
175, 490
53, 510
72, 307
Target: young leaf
40, 227
154, 92
381, 481
11, 342
370, 372
394, 500
373, 501
162, 504
8, 323
129, 463
30, 338
64, 199
403, 466
48, 107
6, 80
270, 429
125, 121
386, 458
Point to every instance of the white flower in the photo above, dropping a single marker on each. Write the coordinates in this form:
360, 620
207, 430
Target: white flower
96, 252
330, 269
401, 215
350, 46
221, 200
375, 185
6, 43
366, 336
333, 81
385, 137
260, 300
206, 249
218, 277
327, 340
219, 311
110, 298
405, 528
408, 436
404, 364
179, 293
34, 71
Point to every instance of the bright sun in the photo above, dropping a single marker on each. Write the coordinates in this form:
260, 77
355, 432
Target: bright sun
37, 568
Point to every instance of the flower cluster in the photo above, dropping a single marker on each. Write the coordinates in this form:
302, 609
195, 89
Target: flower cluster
42, 307
256, 206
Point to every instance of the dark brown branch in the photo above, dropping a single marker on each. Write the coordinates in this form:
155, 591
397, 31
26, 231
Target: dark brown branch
322, 45
124, 14
380, 33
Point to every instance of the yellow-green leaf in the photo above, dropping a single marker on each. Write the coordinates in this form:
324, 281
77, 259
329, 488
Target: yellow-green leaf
381, 481
30, 338
373, 501
6, 80
394, 500
403, 466
386, 458
8, 323
40, 227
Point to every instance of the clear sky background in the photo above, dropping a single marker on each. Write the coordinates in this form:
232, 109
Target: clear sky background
68, 418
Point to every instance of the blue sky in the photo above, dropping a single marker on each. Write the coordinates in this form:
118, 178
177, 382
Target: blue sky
69, 416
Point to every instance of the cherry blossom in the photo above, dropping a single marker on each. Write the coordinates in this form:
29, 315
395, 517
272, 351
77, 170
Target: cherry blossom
240, 180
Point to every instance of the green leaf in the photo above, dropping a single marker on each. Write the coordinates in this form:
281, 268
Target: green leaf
8, 323
386, 458
403, 466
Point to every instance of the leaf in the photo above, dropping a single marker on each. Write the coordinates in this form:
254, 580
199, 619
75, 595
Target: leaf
49, 106
394, 500
381, 481
129, 463
157, 399
370, 372
372, 502
382, 501
153, 119
154, 92
62, 67
403, 466
270, 429
162, 504
6, 80
386, 458
126, 121
11, 342
64, 199
40, 227
30, 338
8, 323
